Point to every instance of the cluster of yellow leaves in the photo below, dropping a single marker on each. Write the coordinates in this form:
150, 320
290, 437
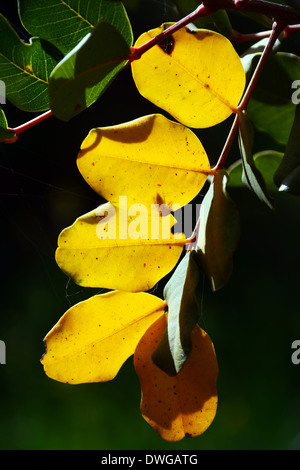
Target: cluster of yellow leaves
151, 162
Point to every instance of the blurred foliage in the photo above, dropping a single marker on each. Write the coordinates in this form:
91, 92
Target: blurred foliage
252, 322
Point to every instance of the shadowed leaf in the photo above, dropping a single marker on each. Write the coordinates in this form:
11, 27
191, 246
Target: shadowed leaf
266, 162
85, 73
287, 174
218, 233
180, 294
251, 176
184, 405
271, 108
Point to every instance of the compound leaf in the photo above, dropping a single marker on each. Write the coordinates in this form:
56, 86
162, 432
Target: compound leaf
151, 160
180, 294
111, 249
95, 337
184, 405
219, 232
195, 75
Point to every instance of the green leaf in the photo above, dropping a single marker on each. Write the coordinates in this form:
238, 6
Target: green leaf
180, 294
85, 73
287, 174
25, 69
266, 163
65, 23
251, 176
219, 232
5, 133
252, 55
217, 21
271, 108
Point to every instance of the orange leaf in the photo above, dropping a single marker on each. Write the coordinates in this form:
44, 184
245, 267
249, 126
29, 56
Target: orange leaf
184, 405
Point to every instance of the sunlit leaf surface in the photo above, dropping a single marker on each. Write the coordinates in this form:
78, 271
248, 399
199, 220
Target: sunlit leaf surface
109, 248
94, 338
151, 160
196, 76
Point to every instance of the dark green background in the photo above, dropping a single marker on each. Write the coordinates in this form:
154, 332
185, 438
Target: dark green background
252, 322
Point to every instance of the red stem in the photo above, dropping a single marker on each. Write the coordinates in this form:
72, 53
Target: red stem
24, 127
238, 37
201, 11
295, 28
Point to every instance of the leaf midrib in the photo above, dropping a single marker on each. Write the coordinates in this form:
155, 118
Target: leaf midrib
77, 14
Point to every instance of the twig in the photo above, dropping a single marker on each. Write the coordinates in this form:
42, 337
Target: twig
27, 125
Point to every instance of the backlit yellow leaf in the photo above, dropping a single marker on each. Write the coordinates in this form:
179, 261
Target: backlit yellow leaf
150, 160
95, 337
111, 249
184, 405
196, 76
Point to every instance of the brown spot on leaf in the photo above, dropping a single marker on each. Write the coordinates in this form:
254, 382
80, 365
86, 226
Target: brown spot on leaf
167, 45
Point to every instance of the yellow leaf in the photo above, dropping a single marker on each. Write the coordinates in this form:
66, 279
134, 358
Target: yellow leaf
150, 160
184, 405
109, 248
196, 76
95, 337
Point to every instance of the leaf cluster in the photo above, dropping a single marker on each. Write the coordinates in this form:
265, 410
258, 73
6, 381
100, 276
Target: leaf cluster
146, 170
